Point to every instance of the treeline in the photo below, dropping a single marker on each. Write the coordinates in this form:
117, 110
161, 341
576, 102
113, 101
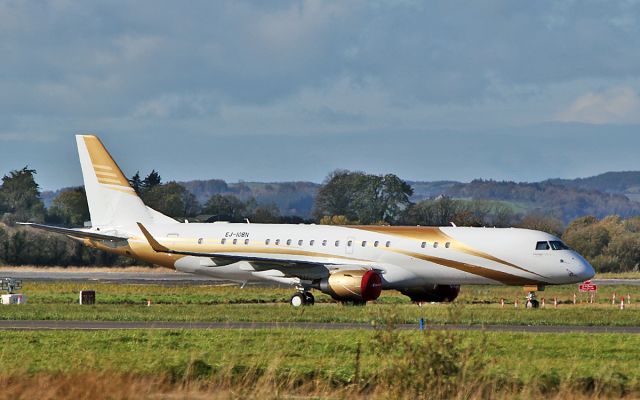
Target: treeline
345, 197
561, 201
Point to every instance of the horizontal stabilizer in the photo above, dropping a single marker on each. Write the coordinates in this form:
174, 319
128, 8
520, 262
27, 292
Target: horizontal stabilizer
77, 233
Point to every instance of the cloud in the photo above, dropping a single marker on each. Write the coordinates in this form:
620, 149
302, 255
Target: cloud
615, 105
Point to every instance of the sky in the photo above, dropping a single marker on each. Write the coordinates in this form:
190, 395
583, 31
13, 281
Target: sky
291, 90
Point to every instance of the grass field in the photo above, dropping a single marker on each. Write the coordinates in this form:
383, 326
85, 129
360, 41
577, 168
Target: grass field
379, 364
476, 305
297, 363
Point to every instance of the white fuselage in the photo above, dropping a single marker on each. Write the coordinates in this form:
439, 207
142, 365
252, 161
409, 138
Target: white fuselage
405, 256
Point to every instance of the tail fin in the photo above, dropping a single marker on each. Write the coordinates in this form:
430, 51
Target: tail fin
112, 201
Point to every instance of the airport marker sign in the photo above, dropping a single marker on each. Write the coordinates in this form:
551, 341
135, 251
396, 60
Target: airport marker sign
587, 286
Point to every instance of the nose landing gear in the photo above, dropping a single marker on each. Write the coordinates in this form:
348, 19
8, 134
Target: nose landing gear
302, 298
532, 302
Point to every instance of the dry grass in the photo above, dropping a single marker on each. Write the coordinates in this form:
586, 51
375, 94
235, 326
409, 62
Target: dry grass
97, 386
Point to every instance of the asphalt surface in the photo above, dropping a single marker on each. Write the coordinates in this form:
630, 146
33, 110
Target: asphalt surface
169, 278
632, 282
166, 278
109, 325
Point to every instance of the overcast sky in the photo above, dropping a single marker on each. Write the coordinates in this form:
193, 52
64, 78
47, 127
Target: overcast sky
290, 90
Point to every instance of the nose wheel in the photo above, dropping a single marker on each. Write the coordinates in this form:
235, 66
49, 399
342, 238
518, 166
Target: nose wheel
302, 299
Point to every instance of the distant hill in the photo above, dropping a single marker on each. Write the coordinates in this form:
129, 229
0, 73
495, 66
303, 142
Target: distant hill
292, 198
625, 182
601, 195
562, 201
429, 190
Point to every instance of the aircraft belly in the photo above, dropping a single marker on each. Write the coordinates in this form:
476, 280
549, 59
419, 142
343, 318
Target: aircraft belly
204, 266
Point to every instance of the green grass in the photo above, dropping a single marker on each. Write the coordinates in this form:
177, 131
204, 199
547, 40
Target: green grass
300, 354
476, 305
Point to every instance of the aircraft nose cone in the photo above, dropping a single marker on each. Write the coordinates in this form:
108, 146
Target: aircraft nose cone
585, 270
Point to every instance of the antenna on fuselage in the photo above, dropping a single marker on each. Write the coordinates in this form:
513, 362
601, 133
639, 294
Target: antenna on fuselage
452, 224
247, 219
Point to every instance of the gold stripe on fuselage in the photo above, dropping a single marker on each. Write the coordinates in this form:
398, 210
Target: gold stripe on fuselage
434, 234
499, 276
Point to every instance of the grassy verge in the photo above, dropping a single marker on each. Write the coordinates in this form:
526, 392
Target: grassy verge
378, 364
476, 305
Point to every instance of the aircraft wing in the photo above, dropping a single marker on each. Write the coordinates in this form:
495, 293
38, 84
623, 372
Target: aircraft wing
289, 267
76, 233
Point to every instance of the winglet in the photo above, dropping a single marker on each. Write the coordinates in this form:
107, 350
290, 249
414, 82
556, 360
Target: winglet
152, 241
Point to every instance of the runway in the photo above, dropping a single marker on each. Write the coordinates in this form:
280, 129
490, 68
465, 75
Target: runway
170, 277
112, 325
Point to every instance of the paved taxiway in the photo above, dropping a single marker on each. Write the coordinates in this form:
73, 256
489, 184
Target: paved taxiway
166, 278
169, 278
109, 325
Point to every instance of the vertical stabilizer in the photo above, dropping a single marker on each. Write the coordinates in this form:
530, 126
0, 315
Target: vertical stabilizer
112, 201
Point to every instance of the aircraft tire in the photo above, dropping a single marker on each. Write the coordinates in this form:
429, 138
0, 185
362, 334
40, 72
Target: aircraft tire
309, 299
298, 300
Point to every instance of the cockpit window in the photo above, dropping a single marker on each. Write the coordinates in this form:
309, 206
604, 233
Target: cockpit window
558, 245
542, 246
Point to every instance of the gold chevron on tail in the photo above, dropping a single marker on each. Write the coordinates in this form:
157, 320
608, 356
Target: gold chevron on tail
106, 170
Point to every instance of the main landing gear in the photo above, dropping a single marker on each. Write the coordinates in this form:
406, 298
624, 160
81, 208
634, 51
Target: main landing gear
302, 298
532, 302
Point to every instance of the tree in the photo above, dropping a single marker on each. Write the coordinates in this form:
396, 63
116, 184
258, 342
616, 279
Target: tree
226, 207
626, 249
336, 195
70, 208
545, 223
380, 198
587, 236
150, 181
172, 199
265, 214
362, 197
335, 220
20, 197
136, 183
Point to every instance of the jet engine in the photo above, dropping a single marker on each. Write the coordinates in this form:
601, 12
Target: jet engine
432, 293
357, 286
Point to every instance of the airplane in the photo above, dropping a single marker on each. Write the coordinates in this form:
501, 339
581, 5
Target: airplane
352, 264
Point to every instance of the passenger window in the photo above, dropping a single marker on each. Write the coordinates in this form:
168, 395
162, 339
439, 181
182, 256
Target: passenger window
288, 242
435, 245
447, 245
246, 241
277, 242
375, 244
558, 245
311, 242
350, 243
337, 243
387, 244
223, 241
423, 245
300, 242
542, 246
324, 242
235, 241
267, 241
364, 243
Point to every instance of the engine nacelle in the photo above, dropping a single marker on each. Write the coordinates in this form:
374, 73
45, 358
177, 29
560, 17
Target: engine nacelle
432, 293
359, 285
